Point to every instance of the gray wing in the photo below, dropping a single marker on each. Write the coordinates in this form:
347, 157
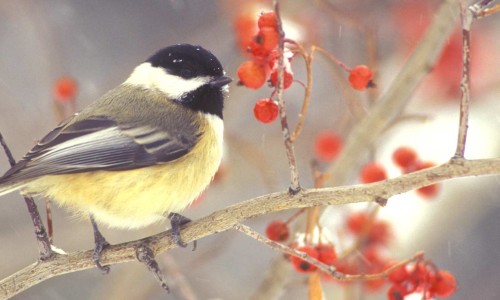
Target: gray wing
98, 143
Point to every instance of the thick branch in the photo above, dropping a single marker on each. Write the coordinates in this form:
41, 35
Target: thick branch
227, 218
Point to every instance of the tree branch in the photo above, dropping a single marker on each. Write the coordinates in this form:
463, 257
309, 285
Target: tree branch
228, 217
392, 103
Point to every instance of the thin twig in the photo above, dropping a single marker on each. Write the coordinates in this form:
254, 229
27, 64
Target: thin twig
290, 152
285, 249
226, 218
467, 18
487, 12
307, 91
44, 245
330, 270
332, 58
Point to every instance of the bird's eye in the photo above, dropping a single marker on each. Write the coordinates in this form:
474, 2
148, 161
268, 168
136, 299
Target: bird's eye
187, 73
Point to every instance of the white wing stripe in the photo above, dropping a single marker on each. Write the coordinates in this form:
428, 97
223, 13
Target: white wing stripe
90, 141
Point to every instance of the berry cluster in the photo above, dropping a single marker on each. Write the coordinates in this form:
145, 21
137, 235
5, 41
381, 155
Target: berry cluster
421, 277
262, 66
324, 253
372, 237
407, 160
262, 49
279, 231
372, 172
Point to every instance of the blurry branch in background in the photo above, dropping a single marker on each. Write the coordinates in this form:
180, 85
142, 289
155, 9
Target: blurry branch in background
229, 217
394, 100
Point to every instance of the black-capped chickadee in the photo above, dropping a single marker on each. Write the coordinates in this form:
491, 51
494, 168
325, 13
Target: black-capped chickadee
145, 149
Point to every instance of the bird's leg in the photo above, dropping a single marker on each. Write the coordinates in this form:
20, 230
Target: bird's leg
176, 221
100, 244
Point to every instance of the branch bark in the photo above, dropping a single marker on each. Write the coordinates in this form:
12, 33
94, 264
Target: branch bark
228, 217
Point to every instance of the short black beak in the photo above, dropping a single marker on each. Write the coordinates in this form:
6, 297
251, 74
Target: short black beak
220, 82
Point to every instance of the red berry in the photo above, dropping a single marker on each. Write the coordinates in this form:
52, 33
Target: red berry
398, 275
266, 110
396, 292
360, 77
278, 231
405, 157
264, 42
65, 89
267, 19
356, 222
252, 74
374, 285
303, 266
373, 172
326, 254
287, 80
380, 232
327, 146
429, 191
244, 27
444, 285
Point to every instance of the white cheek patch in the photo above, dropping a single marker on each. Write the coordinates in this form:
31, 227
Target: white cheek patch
173, 86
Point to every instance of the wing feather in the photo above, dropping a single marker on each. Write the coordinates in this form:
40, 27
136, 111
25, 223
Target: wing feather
98, 143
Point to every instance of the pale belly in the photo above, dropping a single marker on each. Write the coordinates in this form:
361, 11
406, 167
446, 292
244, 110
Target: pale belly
134, 198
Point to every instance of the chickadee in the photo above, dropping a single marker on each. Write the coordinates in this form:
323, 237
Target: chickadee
145, 149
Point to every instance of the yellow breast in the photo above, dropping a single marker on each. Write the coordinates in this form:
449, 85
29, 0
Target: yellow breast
137, 198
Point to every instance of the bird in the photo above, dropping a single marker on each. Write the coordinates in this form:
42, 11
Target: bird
143, 151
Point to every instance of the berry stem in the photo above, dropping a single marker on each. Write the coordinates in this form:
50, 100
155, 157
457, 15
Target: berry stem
288, 250
308, 57
331, 57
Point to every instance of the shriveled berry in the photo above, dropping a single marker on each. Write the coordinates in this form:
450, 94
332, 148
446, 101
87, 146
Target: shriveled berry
301, 265
266, 110
360, 77
278, 231
373, 172
405, 157
327, 146
252, 74
264, 42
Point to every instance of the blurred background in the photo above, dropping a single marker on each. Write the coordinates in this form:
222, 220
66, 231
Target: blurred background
98, 43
